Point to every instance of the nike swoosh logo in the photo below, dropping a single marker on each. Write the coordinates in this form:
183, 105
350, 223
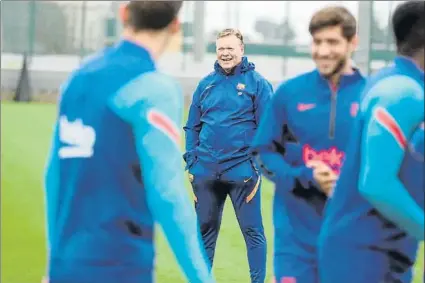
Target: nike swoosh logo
305, 107
245, 181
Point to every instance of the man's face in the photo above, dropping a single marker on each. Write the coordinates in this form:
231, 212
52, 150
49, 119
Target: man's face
331, 50
229, 52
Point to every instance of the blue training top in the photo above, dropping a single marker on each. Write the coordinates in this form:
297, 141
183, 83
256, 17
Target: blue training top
115, 170
307, 119
376, 198
224, 115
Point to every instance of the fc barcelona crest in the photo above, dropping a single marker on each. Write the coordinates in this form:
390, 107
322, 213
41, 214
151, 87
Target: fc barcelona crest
240, 87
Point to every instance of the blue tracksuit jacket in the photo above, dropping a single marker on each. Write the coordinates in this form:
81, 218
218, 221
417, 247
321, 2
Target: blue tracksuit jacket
223, 117
114, 170
306, 120
378, 197
412, 168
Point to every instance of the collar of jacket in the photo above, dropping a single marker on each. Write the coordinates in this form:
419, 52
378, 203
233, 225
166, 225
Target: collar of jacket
346, 79
129, 47
409, 66
242, 67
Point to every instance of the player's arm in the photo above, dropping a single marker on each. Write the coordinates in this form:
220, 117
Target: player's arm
51, 178
192, 128
52, 169
152, 105
390, 122
268, 145
265, 92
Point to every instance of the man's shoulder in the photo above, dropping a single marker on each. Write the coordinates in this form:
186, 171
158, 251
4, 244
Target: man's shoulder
94, 58
155, 85
395, 88
297, 83
257, 76
207, 79
94, 62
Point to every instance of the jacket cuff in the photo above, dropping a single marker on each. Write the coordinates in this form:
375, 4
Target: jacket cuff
189, 158
306, 177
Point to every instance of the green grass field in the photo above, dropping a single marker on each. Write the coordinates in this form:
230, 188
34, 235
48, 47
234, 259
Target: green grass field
25, 137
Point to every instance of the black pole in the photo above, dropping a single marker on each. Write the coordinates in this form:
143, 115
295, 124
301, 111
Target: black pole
23, 89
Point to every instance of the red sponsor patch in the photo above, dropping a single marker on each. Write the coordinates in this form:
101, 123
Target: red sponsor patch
354, 109
331, 157
164, 124
288, 280
390, 124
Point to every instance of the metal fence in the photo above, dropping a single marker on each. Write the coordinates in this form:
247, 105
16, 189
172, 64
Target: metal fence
58, 34
80, 27
54, 27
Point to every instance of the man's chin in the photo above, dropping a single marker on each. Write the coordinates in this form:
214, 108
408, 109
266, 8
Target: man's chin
227, 66
326, 73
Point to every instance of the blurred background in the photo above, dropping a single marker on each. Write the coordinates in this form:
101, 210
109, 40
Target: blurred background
57, 35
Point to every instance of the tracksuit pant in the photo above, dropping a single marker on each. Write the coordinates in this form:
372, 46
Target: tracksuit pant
242, 184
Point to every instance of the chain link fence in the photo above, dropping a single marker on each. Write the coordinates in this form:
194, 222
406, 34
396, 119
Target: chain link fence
58, 34
54, 27
81, 27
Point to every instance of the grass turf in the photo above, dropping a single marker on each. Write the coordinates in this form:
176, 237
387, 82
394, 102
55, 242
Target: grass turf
25, 138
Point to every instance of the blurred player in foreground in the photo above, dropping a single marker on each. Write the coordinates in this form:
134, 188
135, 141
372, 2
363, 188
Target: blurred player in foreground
115, 164
376, 217
223, 117
302, 139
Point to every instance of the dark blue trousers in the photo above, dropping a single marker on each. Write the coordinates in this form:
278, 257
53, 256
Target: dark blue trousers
242, 185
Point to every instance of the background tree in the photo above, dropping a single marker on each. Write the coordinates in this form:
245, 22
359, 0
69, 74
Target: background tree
51, 34
266, 28
286, 32
272, 31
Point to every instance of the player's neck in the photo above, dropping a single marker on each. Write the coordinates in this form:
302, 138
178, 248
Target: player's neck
418, 58
346, 70
153, 42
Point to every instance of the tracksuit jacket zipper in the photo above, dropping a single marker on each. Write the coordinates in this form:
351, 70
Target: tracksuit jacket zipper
332, 118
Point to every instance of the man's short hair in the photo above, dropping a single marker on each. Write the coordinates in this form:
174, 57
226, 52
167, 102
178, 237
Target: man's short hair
152, 15
408, 27
333, 16
230, 31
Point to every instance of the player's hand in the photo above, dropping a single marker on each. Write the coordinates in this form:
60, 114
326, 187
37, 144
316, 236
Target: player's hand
191, 177
324, 176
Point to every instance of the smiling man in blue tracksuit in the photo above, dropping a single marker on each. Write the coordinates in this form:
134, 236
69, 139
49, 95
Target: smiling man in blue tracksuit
302, 140
223, 118
376, 216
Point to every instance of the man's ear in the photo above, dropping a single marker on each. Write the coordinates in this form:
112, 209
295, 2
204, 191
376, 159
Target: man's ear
123, 13
174, 26
354, 43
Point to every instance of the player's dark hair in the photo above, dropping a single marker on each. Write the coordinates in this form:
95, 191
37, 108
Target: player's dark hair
333, 16
408, 23
152, 15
